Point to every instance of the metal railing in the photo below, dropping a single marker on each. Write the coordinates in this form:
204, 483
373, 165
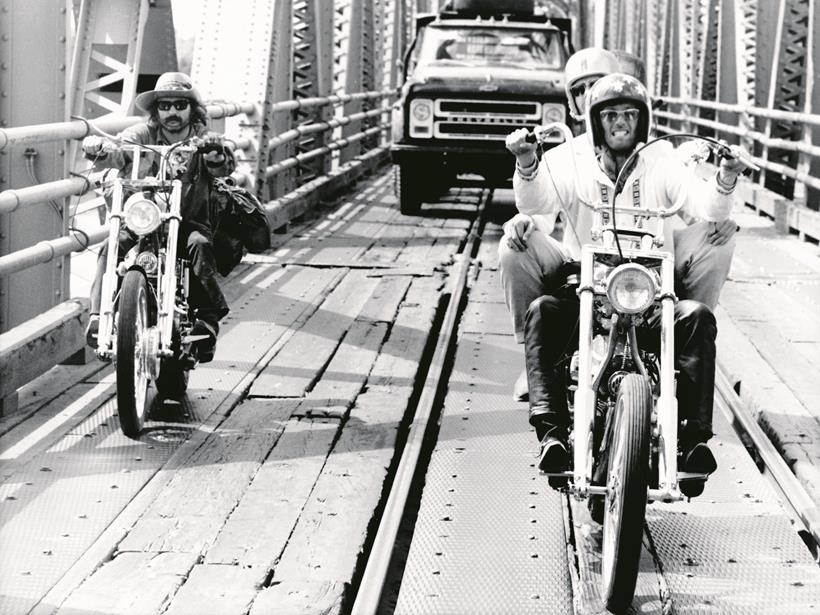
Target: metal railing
369, 142
76, 240
806, 150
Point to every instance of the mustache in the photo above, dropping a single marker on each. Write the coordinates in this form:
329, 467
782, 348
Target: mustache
171, 118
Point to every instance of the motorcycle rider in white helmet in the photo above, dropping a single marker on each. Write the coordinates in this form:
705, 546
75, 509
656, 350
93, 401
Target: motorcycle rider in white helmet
522, 284
703, 249
619, 117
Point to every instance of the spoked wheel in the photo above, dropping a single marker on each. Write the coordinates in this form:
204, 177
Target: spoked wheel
132, 375
625, 505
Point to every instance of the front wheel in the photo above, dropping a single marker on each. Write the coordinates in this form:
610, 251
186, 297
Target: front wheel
409, 188
627, 481
132, 375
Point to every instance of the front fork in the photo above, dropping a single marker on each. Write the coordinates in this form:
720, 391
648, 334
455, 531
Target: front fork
167, 287
105, 335
667, 405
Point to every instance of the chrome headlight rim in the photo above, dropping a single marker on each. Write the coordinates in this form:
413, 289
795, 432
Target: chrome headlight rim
148, 261
621, 275
142, 215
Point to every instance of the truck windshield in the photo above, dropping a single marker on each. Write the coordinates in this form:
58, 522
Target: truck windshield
518, 48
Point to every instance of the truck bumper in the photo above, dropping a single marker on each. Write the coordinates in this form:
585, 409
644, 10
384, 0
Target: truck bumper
495, 165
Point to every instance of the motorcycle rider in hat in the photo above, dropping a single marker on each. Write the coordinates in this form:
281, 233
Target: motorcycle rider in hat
175, 112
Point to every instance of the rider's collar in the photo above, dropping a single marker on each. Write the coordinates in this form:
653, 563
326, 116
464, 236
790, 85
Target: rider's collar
602, 178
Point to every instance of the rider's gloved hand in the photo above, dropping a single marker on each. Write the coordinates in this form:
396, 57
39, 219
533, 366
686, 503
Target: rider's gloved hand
213, 149
517, 231
521, 147
94, 146
734, 161
722, 232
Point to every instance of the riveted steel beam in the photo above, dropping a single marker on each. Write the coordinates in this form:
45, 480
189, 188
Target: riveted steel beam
33, 84
787, 89
312, 77
247, 55
356, 59
106, 58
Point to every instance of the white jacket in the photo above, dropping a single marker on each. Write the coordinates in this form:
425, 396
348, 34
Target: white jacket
663, 178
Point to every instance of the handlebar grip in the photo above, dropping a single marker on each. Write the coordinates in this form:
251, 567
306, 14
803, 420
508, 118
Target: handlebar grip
531, 138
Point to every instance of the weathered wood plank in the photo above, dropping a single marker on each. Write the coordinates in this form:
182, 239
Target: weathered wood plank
331, 532
349, 368
189, 512
216, 590
32, 348
302, 598
258, 529
299, 363
397, 364
131, 584
386, 297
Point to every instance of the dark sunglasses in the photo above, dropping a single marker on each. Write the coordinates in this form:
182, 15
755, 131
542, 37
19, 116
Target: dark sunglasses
179, 105
581, 88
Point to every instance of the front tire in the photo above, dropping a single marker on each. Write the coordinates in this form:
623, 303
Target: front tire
409, 189
132, 377
627, 482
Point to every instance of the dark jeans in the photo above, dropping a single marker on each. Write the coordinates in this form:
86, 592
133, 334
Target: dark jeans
205, 295
551, 333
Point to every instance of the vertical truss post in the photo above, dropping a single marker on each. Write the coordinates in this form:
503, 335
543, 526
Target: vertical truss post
812, 135
312, 77
104, 67
357, 56
768, 44
33, 90
397, 42
707, 70
787, 91
736, 74
246, 56
106, 59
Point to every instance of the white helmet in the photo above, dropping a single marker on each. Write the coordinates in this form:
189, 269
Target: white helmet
584, 64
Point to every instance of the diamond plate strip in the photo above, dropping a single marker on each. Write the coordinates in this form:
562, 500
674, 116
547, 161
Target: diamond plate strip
490, 535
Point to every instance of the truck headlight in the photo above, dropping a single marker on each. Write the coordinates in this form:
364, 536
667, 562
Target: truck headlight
421, 118
631, 288
142, 215
552, 112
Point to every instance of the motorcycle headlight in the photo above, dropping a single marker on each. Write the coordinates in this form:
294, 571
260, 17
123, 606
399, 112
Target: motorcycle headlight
631, 288
142, 215
148, 261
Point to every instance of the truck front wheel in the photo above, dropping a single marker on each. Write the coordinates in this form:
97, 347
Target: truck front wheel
409, 182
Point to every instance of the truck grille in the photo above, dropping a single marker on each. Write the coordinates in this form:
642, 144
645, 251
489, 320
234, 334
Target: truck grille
482, 120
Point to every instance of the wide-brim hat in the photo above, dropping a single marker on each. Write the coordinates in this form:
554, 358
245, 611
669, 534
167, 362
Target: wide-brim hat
169, 85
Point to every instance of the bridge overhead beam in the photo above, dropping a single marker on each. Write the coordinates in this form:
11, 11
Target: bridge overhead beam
33, 89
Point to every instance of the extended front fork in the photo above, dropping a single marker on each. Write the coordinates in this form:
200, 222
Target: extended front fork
666, 429
166, 289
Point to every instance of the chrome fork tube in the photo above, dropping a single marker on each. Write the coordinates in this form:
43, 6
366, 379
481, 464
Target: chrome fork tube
168, 286
584, 396
109, 281
667, 402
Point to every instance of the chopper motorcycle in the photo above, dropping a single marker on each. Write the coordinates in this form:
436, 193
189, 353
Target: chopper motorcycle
620, 382
145, 315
